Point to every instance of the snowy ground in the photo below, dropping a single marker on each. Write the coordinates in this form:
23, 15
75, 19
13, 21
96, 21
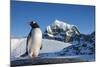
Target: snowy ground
50, 53
53, 46
18, 47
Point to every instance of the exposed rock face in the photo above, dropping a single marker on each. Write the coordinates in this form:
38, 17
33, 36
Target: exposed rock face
82, 45
61, 31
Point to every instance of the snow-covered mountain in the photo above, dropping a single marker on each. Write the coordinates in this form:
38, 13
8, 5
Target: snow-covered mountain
82, 45
61, 31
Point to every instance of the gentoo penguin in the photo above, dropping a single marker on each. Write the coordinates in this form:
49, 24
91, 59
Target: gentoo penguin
34, 40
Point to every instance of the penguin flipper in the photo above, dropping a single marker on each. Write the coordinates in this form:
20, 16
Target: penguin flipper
25, 54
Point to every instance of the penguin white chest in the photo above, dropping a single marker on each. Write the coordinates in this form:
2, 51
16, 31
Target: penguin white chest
36, 40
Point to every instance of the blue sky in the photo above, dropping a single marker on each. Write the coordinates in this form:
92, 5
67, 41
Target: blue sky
45, 14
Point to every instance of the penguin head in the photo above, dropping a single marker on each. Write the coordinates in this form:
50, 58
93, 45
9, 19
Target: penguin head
33, 24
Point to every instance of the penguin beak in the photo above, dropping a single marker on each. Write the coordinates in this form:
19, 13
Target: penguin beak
31, 23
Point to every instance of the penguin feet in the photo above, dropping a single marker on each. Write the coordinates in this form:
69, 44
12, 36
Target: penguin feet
33, 55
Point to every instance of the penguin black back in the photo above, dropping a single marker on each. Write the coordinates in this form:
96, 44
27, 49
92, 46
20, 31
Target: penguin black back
34, 24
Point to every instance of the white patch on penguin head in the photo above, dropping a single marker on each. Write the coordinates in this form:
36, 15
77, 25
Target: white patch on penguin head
33, 24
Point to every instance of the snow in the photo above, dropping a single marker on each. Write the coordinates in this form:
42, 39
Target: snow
82, 47
18, 46
58, 30
53, 46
